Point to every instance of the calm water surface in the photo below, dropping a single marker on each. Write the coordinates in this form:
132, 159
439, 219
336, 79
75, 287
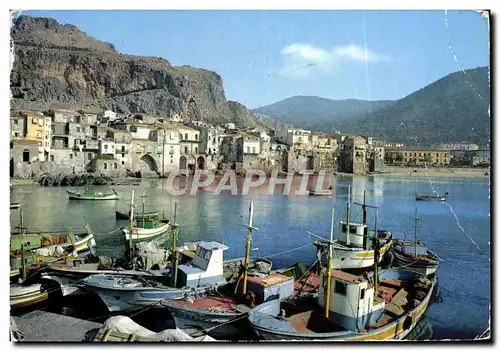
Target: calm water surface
283, 222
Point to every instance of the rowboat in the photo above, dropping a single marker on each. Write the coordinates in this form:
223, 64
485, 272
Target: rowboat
353, 249
414, 256
150, 229
140, 216
23, 296
15, 205
356, 314
320, 192
431, 197
87, 195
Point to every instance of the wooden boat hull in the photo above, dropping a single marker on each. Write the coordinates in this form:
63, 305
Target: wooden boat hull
355, 258
124, 215
194, 319
409, 262
144, 234
123, 298
396, 330
78, 196
24, 296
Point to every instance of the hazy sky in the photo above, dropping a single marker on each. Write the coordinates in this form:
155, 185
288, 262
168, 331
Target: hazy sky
267, 56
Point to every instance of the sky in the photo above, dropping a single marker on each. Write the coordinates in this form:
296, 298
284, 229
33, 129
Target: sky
267, 56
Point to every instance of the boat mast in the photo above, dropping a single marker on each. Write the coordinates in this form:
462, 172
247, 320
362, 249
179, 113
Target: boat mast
23, 242
329, 273
131, 227
163, 154
143, 199
376, 253
416, 220
364, 207
174, 246
348, 207
247, 247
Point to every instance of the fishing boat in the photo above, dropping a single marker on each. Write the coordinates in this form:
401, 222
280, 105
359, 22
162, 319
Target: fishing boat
121, 293
431, 197
15, 205
126, 215
222, 312
414, 255
24, 296
382, 306
320, 192
89, 195
353, 248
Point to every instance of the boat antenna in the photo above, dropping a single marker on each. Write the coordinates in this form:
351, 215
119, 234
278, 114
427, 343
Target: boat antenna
416, 224
348, 211
329, 272
143, 201
23, 236
248, 239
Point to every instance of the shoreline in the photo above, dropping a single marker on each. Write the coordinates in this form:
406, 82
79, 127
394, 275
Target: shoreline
440, 172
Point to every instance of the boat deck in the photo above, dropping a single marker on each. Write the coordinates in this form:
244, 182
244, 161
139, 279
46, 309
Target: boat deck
211, 303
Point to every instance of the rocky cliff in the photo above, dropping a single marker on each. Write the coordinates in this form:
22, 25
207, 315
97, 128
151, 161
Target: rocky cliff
60, 66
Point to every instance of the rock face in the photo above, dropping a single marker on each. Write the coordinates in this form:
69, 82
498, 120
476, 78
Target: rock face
81, 179
60, 66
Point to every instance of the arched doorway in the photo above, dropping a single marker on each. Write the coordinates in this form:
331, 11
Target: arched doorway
150, 161
11, 168
201, 162
182, 162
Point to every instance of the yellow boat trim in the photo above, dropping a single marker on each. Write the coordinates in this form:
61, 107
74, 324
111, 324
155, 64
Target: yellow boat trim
370, 253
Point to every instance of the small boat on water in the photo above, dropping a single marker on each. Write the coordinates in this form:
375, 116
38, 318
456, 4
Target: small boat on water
138, 216
206, 272
354, 248
151, 228
24, 296
89, 195
326, 192
15, 205
414, 256
431, 197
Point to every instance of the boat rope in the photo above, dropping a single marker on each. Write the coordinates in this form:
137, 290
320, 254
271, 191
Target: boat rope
288, 251
108, 233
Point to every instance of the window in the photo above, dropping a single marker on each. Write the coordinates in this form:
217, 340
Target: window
16, 134
105, 165
78, 129
70, 156
340, 288
123, 162
171, 150
253, 150
38, 133
16, 121
26, 155
212, 157
185, 149
186, 136
52, 158
123, 148
105, 146
116, 165
113, 147
213, 140
171, 161
46, 144
123, 155
362, 294
89, 155
248, 149
196, 149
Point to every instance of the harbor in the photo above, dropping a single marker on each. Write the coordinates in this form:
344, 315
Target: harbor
204, 267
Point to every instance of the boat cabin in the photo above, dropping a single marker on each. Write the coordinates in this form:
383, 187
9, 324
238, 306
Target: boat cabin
353, 304
409, 248
206, 266
354, 235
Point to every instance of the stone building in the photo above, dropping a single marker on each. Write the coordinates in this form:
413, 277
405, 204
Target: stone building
18, 128
354, 155
417, 156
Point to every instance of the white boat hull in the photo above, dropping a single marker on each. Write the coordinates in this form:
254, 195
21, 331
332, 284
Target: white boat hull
22, 296
354, 258
140, 233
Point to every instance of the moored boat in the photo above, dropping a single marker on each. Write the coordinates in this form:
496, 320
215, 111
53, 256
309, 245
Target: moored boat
431, 197
414, 256
24, 296
354, 246
139, 216
89, 195
320, 192
15, 205
150, 229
